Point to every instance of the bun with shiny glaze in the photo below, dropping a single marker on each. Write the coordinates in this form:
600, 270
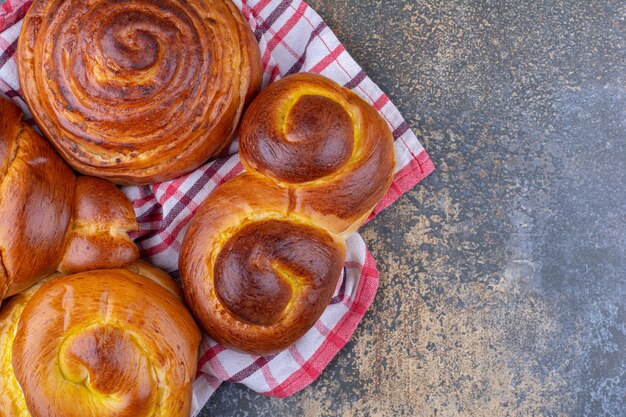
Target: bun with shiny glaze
50, 219
98, 343
263, 254
138, 91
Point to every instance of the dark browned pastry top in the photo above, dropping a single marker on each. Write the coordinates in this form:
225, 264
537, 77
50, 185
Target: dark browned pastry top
329, 147
137, 91
256, 276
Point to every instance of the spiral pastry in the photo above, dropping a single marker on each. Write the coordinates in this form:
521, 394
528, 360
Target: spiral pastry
50, 219
137, 91
100, 343
263, 254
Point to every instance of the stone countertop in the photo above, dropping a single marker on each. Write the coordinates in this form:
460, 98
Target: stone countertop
503, 274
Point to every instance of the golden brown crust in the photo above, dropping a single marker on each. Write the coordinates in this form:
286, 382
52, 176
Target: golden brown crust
262, 257
10, 125
256, 276
51, 220
137, 92
328, 146
157, 275
12, 403
108, 342
36, 195
99, 238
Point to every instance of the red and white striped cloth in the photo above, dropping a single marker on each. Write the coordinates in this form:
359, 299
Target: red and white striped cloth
292, 38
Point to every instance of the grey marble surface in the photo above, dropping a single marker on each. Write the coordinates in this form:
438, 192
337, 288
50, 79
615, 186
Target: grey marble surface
503, 275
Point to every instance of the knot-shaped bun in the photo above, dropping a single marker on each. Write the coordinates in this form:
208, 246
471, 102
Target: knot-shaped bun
99, 343
137, 91
263, 254
50, 219
331, 149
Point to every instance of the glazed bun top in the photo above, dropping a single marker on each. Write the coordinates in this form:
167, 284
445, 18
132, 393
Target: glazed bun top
137, 92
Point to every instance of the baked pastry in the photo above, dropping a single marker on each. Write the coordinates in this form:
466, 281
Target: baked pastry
50, 219
98, 343
263, 254
137, 92
12, 401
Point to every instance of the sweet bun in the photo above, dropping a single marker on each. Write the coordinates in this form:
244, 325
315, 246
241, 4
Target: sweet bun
137, 92
256, 275
50, 219
263, 254
98, 343
326, 145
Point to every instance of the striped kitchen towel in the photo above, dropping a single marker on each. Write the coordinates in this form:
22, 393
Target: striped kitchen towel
292, 38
